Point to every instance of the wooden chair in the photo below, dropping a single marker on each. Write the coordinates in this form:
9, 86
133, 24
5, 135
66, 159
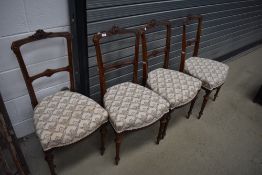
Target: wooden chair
65, 117
212, 73
177, 88
130, 106
10, 143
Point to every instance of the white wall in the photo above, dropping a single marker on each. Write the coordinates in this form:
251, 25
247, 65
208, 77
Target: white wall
18, 19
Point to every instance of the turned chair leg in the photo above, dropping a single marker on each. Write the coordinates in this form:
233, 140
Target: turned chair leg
49, 157
204, 103
215, 96
192, 106
103, 134
118, 140
166, 124
163, 121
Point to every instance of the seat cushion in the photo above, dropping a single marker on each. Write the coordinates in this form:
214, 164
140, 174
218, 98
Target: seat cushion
67, 117
131, 106
176, 87
211, 73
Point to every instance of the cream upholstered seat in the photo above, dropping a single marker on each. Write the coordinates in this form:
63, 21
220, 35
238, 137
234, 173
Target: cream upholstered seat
131, 106
178, 88
212, 73
67, 117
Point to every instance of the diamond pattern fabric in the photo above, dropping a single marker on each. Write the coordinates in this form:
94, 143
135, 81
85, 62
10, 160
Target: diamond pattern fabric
176, 87
211, 73
131, 106
67, 117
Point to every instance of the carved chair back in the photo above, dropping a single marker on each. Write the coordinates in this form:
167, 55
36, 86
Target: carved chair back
115, 30
186, 42
152, 25
40, 35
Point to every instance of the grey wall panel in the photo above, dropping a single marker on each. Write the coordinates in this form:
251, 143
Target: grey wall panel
228, 25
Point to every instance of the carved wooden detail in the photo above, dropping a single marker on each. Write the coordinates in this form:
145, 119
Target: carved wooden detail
155, 53
39, 35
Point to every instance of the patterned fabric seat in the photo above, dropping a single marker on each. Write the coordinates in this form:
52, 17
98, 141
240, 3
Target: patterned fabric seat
178, 88
131, 106
211, 73
67, 117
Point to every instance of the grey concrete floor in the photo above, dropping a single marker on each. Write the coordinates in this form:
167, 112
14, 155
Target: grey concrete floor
226, 140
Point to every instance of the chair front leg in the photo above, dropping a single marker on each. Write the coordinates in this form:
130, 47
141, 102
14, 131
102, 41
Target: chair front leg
204, 102
161, 131
192, 106
103, 131
49, 157
118, 140
215, 96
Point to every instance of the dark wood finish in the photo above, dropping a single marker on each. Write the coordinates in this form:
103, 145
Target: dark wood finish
168, 115
196, 43
6, 139
166, 50
216, 94
103, 68
205, 99
153, 24
115, 30
161, 132
7, 135
118, 140
192, 106
39, 35
103, 135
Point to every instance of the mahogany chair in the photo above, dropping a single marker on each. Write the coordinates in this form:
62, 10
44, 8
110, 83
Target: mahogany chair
212, 73
177, 88
130, 106
65, 117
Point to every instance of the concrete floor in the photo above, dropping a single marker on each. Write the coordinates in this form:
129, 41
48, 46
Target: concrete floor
226, 140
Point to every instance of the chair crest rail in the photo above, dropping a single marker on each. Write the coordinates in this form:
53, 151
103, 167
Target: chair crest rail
40, 35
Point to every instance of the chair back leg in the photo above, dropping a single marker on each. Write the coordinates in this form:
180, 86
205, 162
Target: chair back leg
216, 94
166, 124
161, 131
192, 106
206, 96
103, 131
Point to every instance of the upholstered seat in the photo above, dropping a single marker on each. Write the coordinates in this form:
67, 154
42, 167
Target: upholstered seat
67, 117
212, 73
131, 106
178, 88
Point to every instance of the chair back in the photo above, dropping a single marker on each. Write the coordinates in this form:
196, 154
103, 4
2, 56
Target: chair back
153, 25
186, 42
102, 67
40, 35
